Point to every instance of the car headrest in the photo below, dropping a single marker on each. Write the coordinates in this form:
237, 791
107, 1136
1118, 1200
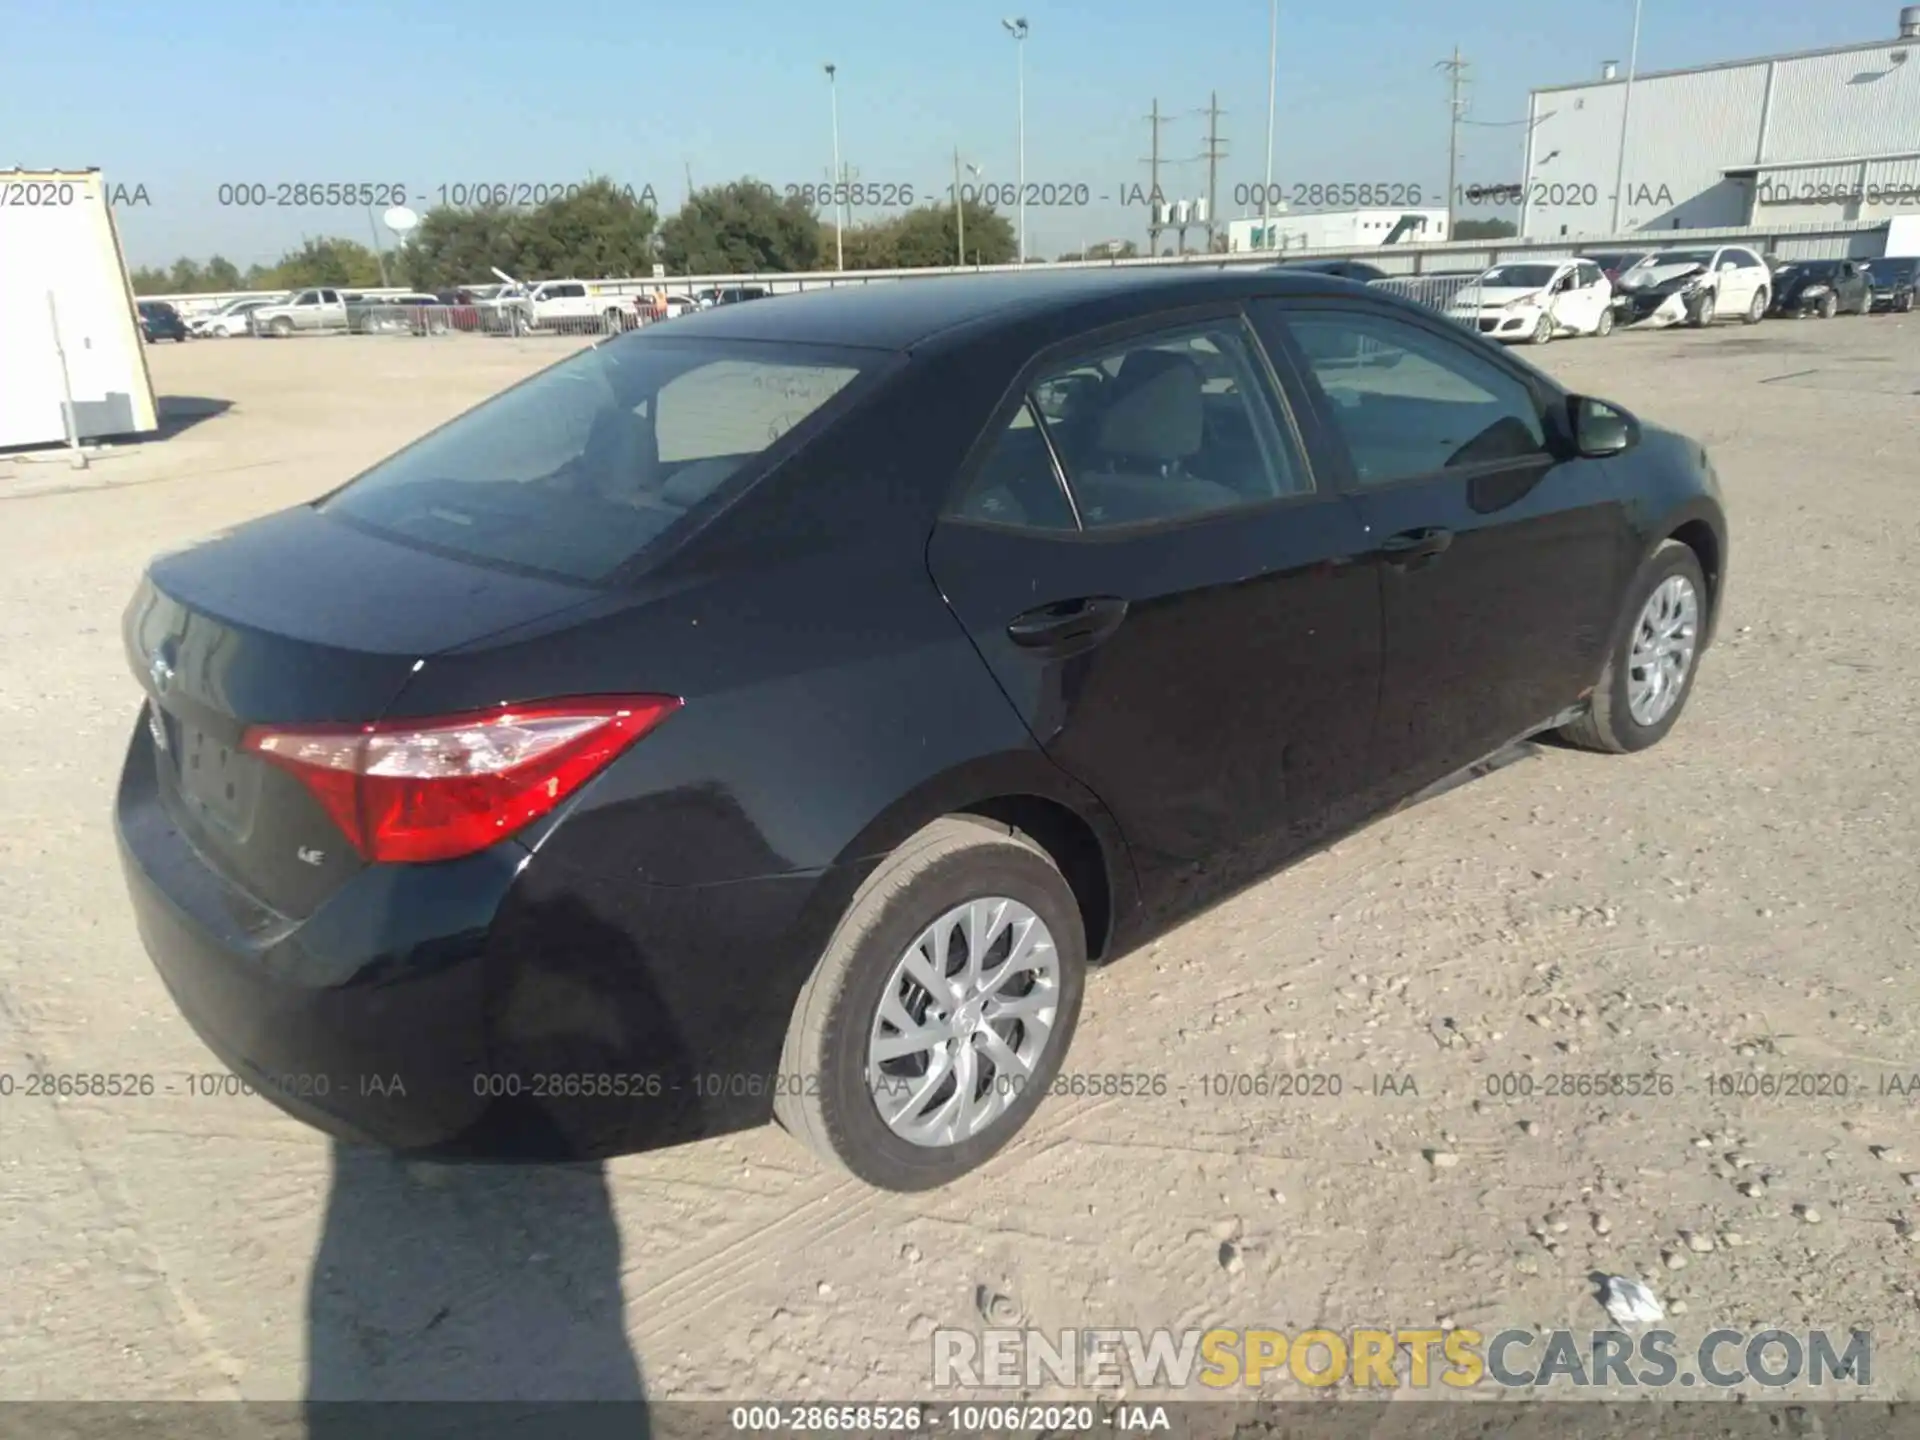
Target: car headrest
1157, 416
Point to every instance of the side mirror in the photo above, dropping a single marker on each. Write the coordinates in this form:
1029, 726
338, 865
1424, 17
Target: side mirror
1600, 428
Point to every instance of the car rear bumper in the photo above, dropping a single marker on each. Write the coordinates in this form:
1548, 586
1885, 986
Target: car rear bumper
512, 1005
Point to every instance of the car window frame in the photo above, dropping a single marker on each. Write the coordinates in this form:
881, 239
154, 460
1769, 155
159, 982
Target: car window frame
1081, 345
1550, 398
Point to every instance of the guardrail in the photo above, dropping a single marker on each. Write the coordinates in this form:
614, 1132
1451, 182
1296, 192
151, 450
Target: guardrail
1810, 241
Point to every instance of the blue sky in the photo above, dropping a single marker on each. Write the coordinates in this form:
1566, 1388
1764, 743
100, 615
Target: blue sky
182, 97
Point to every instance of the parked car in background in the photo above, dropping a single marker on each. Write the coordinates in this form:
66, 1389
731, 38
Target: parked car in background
1345, 269
581, 754
1536, 300
1696, 287
1894, 279
728, 295
227, 320
415, 314
160, 321
1615, 263
312, 311
1821, 287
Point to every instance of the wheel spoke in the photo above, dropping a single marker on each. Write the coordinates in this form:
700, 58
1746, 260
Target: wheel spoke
966, 1035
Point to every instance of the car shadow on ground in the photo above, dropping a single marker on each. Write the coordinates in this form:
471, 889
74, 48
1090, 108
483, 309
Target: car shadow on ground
500, 1283
439, 1283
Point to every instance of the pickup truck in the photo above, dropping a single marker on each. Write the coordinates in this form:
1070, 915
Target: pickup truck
310, 311
572, 307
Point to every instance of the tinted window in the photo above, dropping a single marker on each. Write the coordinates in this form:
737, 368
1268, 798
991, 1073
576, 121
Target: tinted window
1168, 426
1018, 484
1744, 257
600, 458
1409, 402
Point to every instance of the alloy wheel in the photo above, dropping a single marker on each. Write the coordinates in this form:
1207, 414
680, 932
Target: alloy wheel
965, 1017
1665, 641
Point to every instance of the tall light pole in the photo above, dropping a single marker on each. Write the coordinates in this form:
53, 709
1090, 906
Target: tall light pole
1273, 71
1626, 108
960, 204
833, 192
1018, 30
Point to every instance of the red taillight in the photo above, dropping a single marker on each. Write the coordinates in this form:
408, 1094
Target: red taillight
410, 791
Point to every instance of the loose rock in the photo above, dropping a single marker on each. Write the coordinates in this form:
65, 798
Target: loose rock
1674, 1260
1698, 1243
1808, 1213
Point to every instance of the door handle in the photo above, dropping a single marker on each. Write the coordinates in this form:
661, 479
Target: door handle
1068, 627
1414, 546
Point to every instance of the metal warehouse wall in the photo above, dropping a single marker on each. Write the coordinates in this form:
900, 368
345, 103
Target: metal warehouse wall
1686, 127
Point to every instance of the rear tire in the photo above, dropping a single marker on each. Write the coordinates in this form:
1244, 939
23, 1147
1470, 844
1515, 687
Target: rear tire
1757, 311
827, 1097
1610, 725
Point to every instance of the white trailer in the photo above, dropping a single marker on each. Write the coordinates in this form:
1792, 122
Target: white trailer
73, 365
1338, 230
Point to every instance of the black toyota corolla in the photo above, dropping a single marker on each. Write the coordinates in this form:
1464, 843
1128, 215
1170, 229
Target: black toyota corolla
775, 713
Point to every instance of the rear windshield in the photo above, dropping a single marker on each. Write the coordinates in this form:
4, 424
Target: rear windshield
584, 467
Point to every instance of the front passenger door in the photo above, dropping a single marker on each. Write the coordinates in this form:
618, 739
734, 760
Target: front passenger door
1144, 560
1501, 561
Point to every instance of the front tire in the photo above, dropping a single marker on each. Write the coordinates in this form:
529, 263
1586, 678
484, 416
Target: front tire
913, 1060
1829, 307
1542, 331
1650, 672
1705, 316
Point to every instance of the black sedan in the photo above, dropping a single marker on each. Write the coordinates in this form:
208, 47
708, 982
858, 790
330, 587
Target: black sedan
1894, 279
1821, 287
774, 714
160, 321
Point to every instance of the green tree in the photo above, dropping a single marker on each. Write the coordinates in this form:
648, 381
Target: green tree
927, 238
148, 281
1484, 230
741, 227
326, 261
597, 231
460, 247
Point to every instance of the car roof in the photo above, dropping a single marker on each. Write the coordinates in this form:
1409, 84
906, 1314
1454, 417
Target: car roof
901, 314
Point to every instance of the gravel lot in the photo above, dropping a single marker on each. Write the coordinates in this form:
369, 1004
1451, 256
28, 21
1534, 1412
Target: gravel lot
1742, 898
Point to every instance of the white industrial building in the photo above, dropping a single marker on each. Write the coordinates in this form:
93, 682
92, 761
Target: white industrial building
1813, 138
1336, 230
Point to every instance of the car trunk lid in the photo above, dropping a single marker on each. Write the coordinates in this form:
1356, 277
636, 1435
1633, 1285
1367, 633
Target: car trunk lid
298, 618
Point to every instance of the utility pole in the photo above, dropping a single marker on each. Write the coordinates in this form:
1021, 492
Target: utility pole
1213, 155
1273, 73
959, 210
1626, 109
834, 191
1154, 227
1456, 107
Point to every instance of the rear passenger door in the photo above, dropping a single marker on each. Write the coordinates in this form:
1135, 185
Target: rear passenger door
1500, 559
1141, 553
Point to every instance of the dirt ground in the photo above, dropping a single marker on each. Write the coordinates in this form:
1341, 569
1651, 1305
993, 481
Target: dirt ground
1741, 899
